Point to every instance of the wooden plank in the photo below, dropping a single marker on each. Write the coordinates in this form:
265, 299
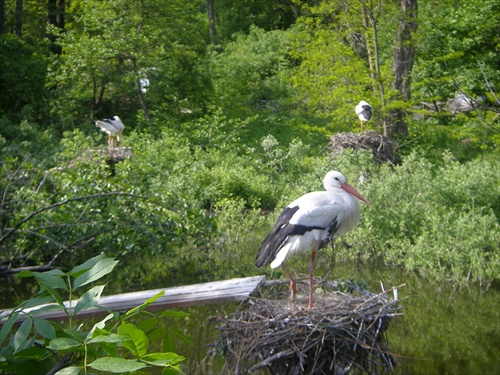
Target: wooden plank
233, 290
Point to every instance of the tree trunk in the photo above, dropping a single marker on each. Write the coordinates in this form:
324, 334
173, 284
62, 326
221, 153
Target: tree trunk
19, 18
211, 21
55, 13
404, 56
370, 19
2, 17
140, 95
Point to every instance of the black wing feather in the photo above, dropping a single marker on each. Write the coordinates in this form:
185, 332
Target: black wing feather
367, 112
278, 236
332, 229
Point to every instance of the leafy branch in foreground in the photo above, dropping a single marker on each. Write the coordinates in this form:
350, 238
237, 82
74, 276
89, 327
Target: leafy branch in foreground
114, 344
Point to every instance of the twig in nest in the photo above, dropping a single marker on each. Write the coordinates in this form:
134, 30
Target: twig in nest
382, 148
341, 333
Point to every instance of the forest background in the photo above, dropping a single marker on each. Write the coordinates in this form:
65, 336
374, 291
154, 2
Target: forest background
229, 107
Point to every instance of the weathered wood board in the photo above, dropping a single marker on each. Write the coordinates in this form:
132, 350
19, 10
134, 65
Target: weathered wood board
233, 290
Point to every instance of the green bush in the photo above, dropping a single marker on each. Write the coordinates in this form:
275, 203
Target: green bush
438, 220
112, 345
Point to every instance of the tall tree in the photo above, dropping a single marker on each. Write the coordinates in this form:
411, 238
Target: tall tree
404, 57
108, 46
56, 17
370, 13
19, 18
211, 21
2, 17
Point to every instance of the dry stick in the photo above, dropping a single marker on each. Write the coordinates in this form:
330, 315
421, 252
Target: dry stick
488, 84
268, 360
285, 329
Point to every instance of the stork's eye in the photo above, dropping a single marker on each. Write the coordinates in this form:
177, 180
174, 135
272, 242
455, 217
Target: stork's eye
338, 179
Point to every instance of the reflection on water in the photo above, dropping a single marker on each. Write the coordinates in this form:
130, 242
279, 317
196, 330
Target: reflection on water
443, 331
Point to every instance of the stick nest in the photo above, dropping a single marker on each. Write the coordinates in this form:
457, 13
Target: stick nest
341, 334
382, 148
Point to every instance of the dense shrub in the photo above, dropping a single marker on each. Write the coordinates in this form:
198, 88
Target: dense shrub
194, 208
437, 220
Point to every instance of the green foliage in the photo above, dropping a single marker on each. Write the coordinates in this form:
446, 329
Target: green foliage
113, 344
330, 79
251, 72
109, 46
22, 82
238, 132
234, 17
457, 45
438, 220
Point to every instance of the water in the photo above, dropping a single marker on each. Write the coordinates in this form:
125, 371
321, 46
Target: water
443, 330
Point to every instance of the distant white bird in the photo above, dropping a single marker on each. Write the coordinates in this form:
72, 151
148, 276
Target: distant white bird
364, 112
114, 128
311, 221
144, 84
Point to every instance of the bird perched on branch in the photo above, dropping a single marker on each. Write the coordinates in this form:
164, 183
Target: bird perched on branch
114, 128
311, 221
364, 112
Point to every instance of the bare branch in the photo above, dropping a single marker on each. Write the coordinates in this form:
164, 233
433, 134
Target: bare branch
59, 204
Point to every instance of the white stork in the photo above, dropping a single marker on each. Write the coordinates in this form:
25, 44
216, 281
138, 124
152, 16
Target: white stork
114, 128
311, 221
364, 112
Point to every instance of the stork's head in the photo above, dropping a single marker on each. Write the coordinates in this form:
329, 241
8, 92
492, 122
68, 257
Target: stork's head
117, 118
336, 180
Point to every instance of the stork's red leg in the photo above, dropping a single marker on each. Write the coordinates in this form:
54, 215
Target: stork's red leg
109, 147
293, 286
111, 139
311, 271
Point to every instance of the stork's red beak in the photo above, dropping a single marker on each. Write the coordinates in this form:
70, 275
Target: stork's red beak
354, 192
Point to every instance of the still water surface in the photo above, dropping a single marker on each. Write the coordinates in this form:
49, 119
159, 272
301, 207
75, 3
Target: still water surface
443, 330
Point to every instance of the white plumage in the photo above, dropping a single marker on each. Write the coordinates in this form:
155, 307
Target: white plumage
114, 128
311, 221
364, 112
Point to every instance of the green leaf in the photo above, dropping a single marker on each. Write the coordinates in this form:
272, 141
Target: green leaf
71, 370
45, 309
174, 313
99, 325
25, 274
112, 337
147, 325
39, 300
55, 295
180, 335
63, 343
138, 343
89, 299
78, 270
174, 370
116, 365
169, 344
157, 333
100, 269
22, 333
7, 326
44, 328
31, 352
146, 303
110, 348
51, 279
162, 359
